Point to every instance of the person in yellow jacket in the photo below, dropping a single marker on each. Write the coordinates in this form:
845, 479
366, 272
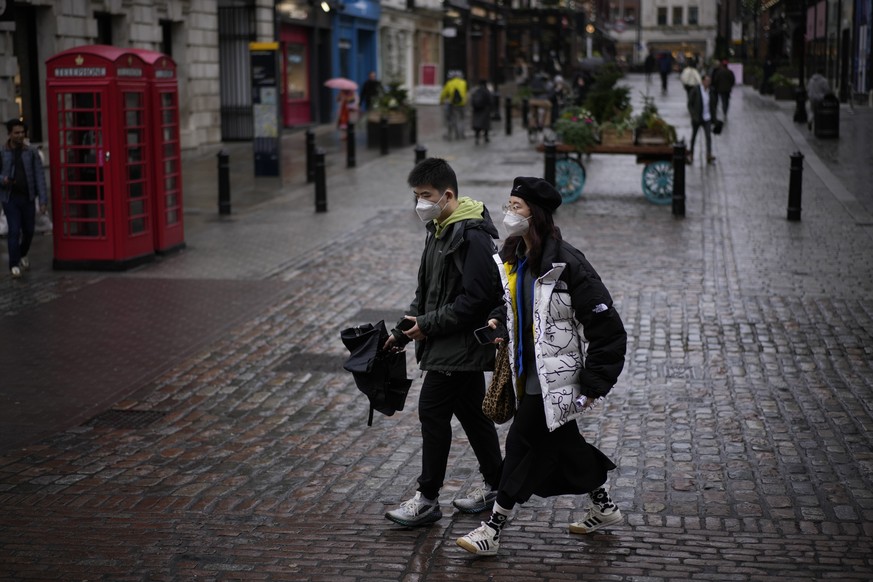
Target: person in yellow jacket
454, 98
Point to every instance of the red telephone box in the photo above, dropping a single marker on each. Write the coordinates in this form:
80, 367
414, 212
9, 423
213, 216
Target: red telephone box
167, 160
101, 158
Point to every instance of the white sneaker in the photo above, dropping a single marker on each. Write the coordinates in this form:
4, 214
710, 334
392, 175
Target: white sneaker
477, 500
482, 541
24, 263
16, 272
596, 518
415, 512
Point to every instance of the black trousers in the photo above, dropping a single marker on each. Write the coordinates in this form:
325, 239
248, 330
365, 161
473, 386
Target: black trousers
707, 132
443, 396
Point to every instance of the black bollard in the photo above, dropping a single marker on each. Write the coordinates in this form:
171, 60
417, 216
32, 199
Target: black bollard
525, 108
383, 136
413, 125
679, 178
320, 183
508, 113
310, 156
551, 157
223, 183
795, 186
800, 106
350, 145
420, 153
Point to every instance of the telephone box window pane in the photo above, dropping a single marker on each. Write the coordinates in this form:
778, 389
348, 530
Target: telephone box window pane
171, 200
167, 100
137, 225
134, 137
134, 155
169, 150
168, 134
170, 166
134, 172
137, 207
172, 217
169, 116
132, 100
133, 118
135, 191
169, 183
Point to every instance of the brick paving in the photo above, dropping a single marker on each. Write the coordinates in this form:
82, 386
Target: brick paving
741, 425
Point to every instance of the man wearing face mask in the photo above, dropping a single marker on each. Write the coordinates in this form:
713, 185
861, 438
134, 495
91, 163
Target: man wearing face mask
458, 286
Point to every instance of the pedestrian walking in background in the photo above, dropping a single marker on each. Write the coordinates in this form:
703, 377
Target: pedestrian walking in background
554, 304
690, 76
458, 287
665, 65
481, 101
816, 89
371, 90
649, 66
22, 185
348, 101
703, 107
723, 81
454, 98
558, 96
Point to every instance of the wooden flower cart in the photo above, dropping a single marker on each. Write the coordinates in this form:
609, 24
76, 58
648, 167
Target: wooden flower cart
657, 160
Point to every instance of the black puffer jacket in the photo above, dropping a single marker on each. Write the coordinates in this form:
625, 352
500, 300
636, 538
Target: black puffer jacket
458, 286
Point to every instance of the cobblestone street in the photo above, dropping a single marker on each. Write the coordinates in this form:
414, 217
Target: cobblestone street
190, 419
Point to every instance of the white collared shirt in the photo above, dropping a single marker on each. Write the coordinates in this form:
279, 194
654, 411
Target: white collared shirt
704, 94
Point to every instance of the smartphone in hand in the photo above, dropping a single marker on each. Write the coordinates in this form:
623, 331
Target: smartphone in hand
486, 335
406, 325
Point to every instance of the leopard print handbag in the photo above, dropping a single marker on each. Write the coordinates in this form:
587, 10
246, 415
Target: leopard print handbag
499, 402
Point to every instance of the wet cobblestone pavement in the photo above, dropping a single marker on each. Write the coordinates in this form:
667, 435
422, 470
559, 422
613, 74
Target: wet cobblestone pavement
741, 425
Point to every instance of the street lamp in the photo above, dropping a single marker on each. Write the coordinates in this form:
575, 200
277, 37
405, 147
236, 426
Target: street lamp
589, 29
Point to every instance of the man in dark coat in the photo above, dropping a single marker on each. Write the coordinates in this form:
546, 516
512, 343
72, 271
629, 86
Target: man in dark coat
481, 101
723, 81
703, 107
458, 286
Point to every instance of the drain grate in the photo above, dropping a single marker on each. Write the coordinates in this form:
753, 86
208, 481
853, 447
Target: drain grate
132, 419
310, 362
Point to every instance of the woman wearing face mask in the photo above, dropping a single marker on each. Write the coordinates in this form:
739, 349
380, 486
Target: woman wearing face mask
555, 306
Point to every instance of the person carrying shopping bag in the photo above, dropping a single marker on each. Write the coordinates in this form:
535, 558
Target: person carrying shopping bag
554, 304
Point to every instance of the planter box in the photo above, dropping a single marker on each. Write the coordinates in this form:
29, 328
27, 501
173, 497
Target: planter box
399, 134
611, 137
646, 137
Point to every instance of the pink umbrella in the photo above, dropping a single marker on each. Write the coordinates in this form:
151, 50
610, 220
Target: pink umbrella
341, 83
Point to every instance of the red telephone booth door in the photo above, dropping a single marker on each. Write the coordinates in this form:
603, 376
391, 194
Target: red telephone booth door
134, 208
82, 175
168, 163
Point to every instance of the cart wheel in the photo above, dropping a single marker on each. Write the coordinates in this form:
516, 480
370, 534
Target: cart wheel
658, 182
570, 178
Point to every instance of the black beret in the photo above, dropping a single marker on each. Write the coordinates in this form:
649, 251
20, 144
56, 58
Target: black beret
536, 191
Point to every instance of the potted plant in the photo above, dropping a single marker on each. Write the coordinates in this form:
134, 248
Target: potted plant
651, 128
393, 105
618, 131
783, 87
577, 128
605, 100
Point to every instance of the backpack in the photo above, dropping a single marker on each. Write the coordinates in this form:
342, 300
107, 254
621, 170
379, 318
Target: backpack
480, 99
457, 99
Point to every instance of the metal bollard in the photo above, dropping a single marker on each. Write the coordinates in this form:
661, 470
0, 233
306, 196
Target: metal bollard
508, 113
525, 109
413, 125
800, 115
795, 186
350, 145
551, 157
679, 178
310, 156
420, 153
320, 183
223, 183
383, 136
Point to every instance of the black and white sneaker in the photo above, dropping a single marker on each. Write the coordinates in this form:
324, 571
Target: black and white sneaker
598, 516
483, 541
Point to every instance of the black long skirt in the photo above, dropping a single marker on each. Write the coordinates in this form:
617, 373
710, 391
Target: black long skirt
545, 464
